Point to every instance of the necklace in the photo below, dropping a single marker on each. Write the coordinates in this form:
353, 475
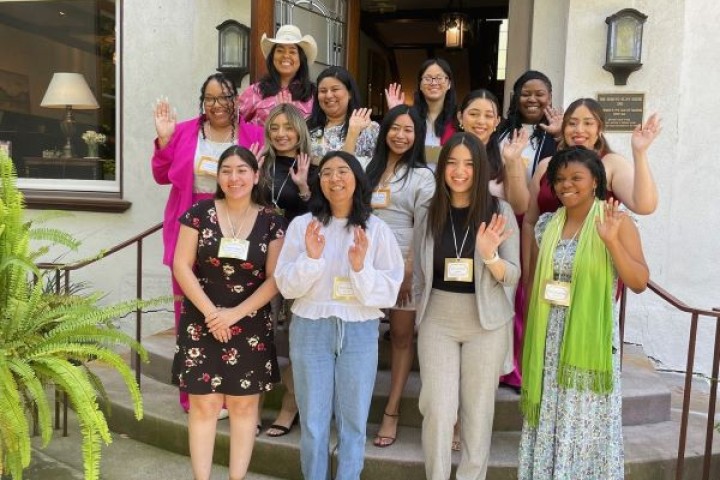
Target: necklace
272, 188
462, 245
242, 223
212, 134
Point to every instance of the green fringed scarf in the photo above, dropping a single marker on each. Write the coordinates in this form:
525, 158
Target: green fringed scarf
586, 350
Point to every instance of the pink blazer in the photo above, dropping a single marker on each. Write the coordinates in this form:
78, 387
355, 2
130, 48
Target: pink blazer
174, 165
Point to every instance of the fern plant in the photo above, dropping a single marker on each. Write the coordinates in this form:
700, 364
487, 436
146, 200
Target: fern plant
47, 339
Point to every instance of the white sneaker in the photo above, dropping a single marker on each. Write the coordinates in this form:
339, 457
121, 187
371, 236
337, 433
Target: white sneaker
223, 414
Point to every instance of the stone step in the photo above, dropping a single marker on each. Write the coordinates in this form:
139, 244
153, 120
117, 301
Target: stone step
645, 398
650, 449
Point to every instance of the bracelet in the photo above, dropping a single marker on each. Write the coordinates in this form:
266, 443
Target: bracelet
494, 259
304, 196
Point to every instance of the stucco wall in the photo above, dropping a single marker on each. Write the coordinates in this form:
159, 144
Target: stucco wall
680, 56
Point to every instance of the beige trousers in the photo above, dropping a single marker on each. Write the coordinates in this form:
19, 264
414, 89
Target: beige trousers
459, 362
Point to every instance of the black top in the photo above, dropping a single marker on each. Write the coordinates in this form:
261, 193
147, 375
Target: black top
446, 248
287, 196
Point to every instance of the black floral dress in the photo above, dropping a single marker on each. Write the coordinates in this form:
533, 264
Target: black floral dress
247, 364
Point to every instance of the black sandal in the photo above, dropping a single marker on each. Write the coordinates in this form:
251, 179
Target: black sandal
282, 428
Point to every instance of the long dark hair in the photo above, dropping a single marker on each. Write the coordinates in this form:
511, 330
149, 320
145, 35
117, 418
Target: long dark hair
228, 88
482, 203
320, 206
301, 87
413, 158
582, 155
318, 119
514, 118
256, 196
497, 167
601, 145
449, 104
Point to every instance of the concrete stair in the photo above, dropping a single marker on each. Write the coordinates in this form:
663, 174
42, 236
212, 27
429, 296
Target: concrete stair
651, 426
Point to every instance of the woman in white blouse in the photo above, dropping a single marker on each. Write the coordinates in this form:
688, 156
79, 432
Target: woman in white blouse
342, 265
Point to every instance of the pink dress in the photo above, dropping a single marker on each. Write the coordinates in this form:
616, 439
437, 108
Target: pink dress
254, 109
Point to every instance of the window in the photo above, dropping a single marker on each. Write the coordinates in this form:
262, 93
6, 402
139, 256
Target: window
50, 37
324, 20
502, 50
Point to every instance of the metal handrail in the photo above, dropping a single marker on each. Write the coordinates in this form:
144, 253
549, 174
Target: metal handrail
695, 313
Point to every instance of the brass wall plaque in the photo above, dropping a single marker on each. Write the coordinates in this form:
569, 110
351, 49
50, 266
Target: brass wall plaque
623, 111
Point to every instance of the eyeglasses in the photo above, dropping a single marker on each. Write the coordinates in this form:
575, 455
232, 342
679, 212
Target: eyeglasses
223, 100
430, 80
328, 173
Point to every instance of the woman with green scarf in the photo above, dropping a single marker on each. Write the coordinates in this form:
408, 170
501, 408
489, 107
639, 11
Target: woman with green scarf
571, 399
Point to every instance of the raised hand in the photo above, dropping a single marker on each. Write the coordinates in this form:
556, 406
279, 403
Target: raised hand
512, 150
644, 135
165, 120
555, 118
314, 239
283, 97
357, 251
609, 227
490, 236
394, 95
359, 120
299, 174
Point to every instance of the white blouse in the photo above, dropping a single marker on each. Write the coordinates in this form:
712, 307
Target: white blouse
310, 281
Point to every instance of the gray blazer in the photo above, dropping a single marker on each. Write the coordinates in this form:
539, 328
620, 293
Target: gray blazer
494, 307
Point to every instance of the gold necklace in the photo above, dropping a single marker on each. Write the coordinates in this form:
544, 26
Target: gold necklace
243, 218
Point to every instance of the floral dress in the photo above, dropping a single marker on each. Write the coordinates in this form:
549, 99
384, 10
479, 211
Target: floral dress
579, 433
247, 364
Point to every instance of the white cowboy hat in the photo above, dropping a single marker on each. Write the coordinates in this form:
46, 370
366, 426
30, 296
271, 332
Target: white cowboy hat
290, 34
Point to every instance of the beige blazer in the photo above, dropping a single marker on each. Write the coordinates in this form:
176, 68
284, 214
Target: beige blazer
494, 307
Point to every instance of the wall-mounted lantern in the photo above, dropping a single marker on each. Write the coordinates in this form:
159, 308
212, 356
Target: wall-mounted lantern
233, 49
624, 43
454, 25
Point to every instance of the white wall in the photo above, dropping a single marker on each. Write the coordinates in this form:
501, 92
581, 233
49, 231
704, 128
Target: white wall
679, 76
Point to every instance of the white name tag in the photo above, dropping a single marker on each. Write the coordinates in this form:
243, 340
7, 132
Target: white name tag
343, 289
207, 166
557, 293
233, 248
380, 198
458, 270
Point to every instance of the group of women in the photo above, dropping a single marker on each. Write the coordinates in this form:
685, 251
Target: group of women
291, 192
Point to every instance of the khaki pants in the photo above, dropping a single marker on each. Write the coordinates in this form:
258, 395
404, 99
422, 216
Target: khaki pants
459, 362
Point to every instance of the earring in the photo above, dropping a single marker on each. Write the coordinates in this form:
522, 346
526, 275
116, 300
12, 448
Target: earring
461, 126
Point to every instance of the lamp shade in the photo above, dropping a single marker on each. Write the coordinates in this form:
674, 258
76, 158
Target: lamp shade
69, 89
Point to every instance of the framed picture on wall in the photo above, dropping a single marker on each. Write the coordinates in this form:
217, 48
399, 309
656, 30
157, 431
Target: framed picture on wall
14, 92
6, 146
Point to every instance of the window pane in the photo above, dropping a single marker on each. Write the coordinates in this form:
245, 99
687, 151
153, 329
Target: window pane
49, 38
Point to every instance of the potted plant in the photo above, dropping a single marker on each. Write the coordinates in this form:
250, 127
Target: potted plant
47, 339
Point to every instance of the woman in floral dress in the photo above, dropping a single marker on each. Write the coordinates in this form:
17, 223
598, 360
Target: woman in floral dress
571, 398
224, 262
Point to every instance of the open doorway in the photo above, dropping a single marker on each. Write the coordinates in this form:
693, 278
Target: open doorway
397, 36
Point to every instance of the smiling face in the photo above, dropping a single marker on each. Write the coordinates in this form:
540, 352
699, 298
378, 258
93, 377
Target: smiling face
534, 98
480, 118
574, 185
401, 136
581, 128
434, 83
333, 98
283, 137
459, 173
236, 178
218, 104
286, 60
337, 183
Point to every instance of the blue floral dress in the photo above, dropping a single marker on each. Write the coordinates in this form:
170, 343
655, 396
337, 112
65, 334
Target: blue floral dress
247, 364
579, 433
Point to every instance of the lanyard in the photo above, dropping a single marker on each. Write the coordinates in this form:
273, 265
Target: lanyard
242, 224
462, 246
272, 190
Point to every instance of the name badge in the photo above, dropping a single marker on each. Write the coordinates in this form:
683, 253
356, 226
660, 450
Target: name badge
380, 198
233, 248
343, 289
207, 166
458, 270
557, 293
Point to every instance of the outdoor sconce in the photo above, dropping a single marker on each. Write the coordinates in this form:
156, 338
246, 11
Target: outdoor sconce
624, 43
233, 50
454, 25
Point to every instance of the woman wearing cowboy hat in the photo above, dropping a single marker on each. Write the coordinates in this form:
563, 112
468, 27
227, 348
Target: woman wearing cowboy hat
287, 59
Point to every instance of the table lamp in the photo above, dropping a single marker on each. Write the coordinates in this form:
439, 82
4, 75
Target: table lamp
68, 91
